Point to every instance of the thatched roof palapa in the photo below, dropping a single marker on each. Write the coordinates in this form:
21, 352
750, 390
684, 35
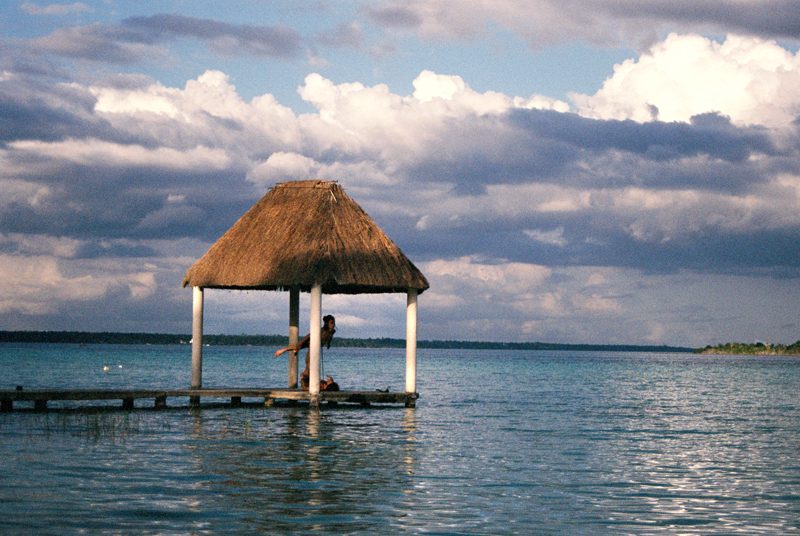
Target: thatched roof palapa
302, 233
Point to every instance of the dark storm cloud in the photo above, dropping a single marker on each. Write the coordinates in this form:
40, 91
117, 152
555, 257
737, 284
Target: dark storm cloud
130, 190
96, 249
635, 23
87, 204
137, 38
344, 35
394, 17
594, 239
275, 41
97, 179
110, 196
121, 215
33, 110
96, 42
696, 175
709, 134
776, 19
550, 146
36, 121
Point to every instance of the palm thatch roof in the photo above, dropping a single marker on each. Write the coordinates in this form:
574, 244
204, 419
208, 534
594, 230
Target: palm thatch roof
301, 233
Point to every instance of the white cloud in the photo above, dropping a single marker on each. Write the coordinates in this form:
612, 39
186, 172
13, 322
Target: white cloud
174, 212
752, 81
100, 153
375, 142
53, 9
596, 303
475, 291
646, 214
155, 99
372, 120
19, 191
213, 93
429, 86
484, 176
42, 246
281, 166
553, 237
35, 285
208, 111
517, 301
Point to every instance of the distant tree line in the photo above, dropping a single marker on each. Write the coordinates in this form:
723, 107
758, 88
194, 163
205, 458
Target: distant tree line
105, 337
758, 348
84, 337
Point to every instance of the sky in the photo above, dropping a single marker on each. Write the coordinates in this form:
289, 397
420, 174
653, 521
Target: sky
601, 172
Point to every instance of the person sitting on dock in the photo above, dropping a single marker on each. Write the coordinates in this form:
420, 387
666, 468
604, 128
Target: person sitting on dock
328, 329
328, 384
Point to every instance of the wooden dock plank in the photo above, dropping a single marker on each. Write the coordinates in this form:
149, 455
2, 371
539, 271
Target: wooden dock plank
40, 397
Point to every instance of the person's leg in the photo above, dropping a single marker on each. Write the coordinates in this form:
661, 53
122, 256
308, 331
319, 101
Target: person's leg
292, 347
304, 375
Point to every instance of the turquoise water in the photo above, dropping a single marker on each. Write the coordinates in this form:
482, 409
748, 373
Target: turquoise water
505, 442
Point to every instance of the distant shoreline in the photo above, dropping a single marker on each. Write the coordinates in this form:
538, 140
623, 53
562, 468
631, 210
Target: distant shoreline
84, 337
759, 348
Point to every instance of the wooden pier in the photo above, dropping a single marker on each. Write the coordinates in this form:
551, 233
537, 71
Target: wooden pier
269, 397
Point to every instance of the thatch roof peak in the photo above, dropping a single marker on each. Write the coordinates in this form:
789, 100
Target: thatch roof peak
301, 233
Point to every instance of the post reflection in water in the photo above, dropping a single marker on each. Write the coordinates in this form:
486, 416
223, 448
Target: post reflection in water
306, 470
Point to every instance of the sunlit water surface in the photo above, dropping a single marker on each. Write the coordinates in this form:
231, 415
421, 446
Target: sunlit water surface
501, 442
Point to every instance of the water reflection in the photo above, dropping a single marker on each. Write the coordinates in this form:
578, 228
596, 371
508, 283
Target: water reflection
585, 445
410, 446
306, 470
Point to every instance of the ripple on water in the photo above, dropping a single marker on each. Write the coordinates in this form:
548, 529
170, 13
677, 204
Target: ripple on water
500, 443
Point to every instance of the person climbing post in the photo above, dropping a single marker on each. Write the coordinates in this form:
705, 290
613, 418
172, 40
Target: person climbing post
328, 329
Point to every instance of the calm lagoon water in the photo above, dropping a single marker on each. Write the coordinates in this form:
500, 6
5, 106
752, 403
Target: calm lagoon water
504, 442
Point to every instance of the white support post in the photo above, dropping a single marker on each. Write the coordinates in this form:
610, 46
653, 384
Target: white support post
411, 341
315, 343
197, 337
294, 333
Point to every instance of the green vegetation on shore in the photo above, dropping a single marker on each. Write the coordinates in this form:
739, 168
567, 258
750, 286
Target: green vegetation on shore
86, 337
82, 337
758, 348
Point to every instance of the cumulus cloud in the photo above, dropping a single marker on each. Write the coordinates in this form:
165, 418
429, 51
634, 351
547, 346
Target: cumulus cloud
522, 201
552, 236
31, 110
486, 295
280, 167
443, 117
550, 185
749, 80
37, 286
593, 303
